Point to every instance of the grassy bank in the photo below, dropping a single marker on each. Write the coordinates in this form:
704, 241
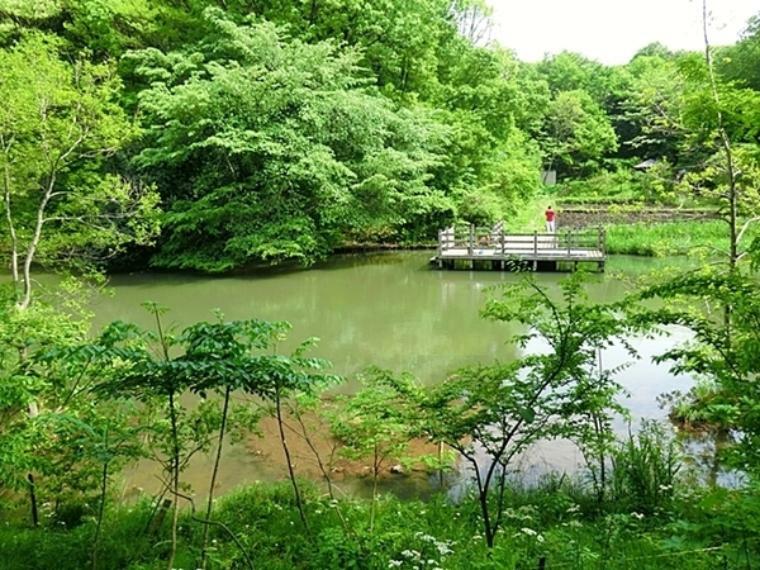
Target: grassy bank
697, 237
557, 522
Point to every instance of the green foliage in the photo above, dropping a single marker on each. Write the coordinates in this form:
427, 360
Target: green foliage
408, 532
56, 116
711, 183
697, 238
739, 62
569, 71
310, 154
492, 414
27, 380
724, 352
645, 471
577, 133
276, 134
373, 424
653, 106
618, 186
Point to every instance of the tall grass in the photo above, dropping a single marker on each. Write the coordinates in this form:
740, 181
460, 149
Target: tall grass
693, 237
645, 470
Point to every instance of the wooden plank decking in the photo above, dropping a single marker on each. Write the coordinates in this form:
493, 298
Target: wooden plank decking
492, 248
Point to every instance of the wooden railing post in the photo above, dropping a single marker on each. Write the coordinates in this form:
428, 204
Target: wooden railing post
535, 243
503, 242
440, 242
569, 242
471, 241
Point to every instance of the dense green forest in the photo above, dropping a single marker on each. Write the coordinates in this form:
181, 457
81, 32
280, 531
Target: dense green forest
224, 135
216, 136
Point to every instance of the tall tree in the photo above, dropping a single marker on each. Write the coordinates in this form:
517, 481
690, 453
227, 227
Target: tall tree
58, 124
272, 150
577, 134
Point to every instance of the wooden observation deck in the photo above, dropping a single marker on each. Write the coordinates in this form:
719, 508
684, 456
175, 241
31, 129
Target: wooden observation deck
471, 247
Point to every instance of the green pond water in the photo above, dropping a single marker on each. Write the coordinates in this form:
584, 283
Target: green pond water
390, 310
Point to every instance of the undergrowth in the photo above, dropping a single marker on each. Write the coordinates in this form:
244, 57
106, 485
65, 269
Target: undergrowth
557, 521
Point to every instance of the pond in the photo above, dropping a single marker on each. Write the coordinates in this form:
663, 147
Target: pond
391, 310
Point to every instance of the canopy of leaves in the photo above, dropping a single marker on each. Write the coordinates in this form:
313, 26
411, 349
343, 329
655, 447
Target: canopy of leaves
577, 133
267, 149
58, 125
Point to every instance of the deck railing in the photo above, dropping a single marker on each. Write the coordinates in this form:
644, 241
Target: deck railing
471, 238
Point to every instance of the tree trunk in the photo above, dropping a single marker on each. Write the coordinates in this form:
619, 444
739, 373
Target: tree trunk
26, 297
101, 512
291, 473
157, 517
9, 218
324, 469
214, 473
483, 501
375, 475
733, 198
175, 479
440, 464
33, 411
175, 459
33, 500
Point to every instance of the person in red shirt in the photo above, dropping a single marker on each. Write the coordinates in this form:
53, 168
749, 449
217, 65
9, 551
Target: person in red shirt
550, 220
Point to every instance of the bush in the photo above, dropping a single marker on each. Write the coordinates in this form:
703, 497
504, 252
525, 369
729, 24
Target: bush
620, 186
645, 470
624, 186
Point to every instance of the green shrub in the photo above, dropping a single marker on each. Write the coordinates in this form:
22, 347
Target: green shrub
645, 470
620, 186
